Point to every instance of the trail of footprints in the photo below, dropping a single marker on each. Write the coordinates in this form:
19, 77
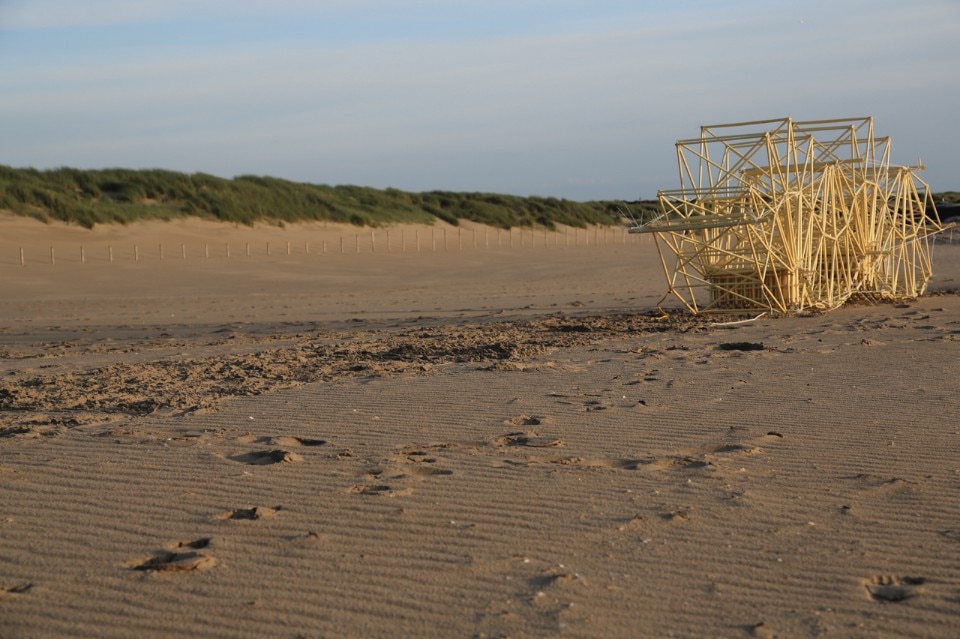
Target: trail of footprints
187, 556
407, 465
396, 476
527, 443
390, 478
182, 556
699, 458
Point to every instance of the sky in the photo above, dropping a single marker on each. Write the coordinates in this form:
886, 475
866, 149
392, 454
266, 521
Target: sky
577, 99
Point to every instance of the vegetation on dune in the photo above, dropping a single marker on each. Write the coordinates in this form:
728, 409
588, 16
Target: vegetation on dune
950, 197
89, 197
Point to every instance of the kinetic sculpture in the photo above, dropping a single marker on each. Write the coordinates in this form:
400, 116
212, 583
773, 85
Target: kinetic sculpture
784, 216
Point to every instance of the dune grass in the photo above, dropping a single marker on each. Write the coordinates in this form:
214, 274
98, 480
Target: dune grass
90, 197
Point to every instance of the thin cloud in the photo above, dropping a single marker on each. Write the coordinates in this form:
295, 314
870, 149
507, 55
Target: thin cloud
518, 110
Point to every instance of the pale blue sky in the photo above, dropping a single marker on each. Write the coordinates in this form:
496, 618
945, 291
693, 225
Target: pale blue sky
580, 99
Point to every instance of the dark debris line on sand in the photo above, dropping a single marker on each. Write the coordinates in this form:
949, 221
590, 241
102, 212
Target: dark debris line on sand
184, 385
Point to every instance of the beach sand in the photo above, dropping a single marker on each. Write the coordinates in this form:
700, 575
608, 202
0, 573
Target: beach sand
488, 437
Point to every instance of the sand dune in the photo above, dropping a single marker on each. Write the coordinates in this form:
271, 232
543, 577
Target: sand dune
462, 442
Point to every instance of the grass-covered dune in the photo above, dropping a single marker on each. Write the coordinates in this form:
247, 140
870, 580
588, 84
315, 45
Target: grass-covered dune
89, 197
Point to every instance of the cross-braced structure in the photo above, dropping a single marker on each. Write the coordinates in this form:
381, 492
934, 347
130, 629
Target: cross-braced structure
783, 216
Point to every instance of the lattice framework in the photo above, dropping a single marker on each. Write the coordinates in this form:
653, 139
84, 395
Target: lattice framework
783, 216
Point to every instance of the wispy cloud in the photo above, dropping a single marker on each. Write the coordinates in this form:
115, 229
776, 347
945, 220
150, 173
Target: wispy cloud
584, 106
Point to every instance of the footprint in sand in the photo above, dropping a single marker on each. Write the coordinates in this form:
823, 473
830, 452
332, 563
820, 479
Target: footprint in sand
553, 593
176, 562
196, 544
569, 460
555, 578
276, 455
528, 439
525, 420
880, 485
257, 512
683, 462
741, 346
892, 589
420, 461
761, 630
15, 591
383, 490
952, 535
733, 448
389, 480
279, 440
417, 453
265, 457
703, 458
416, 456
593, 405
429, 471
192, 437
287, 441
408, 471
676, 514
183, 556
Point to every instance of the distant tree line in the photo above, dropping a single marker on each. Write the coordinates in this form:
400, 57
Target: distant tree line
90, 197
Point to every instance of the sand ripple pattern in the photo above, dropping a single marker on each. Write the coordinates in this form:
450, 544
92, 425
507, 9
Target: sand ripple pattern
502, 480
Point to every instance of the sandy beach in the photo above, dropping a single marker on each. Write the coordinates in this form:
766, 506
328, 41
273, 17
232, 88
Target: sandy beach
323, 431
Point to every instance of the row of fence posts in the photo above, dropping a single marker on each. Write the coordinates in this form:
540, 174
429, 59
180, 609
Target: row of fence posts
500, 244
